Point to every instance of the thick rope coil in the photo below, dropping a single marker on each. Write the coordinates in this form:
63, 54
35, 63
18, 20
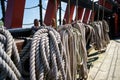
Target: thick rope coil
54, 65
43, 53
39, 67
16, 57
58, 55
33, 53
7, 59
47, 60
2, 39
11, 47
10, 57
2, 45
7, 69
25, 50
9, 41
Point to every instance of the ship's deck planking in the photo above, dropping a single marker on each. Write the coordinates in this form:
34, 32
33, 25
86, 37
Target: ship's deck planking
105, 66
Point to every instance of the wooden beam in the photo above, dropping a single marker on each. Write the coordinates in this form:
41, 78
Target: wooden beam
72, 7
81, 12
50, 12
86, 15
14, 13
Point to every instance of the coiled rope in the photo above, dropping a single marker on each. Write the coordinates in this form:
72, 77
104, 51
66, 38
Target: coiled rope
47, 59
9, 57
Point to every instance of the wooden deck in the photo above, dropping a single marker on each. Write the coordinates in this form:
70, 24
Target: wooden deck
105, 66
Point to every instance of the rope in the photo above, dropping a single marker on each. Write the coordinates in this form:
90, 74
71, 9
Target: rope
43, 8
32, 7
24, 55
25, 50
10, 47
9, 41
101, 35
9, 57
48, 55
46, 61
73, 45
62, 10
7, 69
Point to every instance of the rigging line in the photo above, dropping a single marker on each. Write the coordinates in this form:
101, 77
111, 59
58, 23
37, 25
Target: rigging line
43, 8
62, 10
0, 19
32, 7
29, 24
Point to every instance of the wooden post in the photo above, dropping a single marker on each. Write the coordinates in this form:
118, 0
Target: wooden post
14, 13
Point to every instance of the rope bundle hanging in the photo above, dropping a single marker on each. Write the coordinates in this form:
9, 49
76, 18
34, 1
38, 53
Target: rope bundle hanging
75, 50
47, 58
106, 31
10, 64
102, 38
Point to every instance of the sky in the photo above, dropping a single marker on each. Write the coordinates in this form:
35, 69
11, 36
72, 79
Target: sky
31, 14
